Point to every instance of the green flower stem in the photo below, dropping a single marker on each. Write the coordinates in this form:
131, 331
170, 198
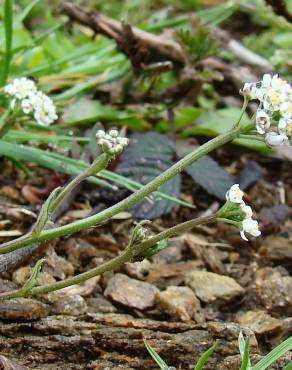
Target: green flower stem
97, 165
243, 109
128, 255
252, 137
227, 221
7, 120
130, 200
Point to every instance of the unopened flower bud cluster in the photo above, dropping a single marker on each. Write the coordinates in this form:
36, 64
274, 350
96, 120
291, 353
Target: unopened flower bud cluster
111, 143
249, 225
274, 115
31, 100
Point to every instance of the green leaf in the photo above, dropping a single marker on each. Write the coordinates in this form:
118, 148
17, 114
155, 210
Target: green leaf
147, 156
27, 10
8, 26
274, 355
160, 362
49, 160
63, 164
205, 356
219, 121
244, 352
33, 279
288, 367
213, 178
85, 110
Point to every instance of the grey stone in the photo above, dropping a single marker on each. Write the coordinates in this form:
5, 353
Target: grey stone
210, 287
130, 292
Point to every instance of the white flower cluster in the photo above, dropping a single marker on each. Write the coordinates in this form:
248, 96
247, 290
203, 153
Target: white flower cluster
111, 143
274, 115
32, 101
250, 226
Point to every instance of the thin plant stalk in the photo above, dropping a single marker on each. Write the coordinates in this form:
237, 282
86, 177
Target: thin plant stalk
131, 252
130, 200
8, 26
99, 164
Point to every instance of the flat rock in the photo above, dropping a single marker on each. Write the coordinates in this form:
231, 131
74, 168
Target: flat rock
210, 287
73, 305
130, 292
23, 309
277, 248
100, 305
274, 290
167, 274
260, 322
179, 302
138, 270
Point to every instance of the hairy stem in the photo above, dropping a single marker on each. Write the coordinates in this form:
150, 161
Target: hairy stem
99, 164
130, 200
127, 256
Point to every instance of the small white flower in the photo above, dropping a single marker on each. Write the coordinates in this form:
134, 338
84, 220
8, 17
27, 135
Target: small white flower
282, 126
263, 121
234, 194
31, 101
20, 88
246, 210
114, 133
251, 227
111, 143
267, 80
44, 109
274, 139
286, 109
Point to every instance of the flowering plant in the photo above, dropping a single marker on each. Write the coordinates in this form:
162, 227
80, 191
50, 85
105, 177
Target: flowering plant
274, 114
272, 120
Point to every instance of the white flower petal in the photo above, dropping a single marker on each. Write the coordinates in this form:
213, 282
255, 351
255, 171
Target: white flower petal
251, 227
263, 121
246, 210
242, 234
274, 139
234, 194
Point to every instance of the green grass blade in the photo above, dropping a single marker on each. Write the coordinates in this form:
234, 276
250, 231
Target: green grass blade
27, 10
288, 367
244, 352
71, 166
205, 356
22, 137
8, 26
156, 357
245, 358
22, 153
274, 355
39, 39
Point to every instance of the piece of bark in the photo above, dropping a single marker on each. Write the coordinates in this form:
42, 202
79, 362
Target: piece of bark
149, 48
145, 48
7, 364
75, 343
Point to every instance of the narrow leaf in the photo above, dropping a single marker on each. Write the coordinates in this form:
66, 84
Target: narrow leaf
205, 356
160, 362
274, 355
8, 25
